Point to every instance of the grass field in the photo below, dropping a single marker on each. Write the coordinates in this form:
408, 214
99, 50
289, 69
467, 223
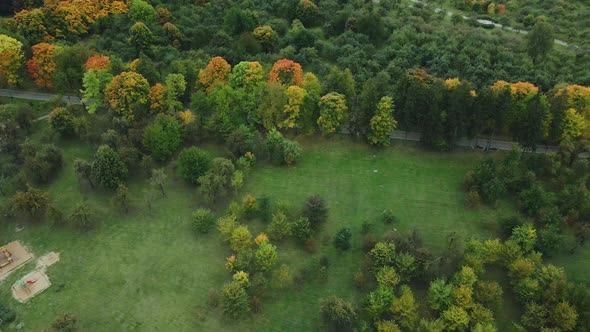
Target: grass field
150, 272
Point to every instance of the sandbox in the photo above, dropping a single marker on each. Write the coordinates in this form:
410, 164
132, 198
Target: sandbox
30, 285
14, 256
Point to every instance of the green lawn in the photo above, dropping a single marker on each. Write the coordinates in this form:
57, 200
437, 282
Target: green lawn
150, 272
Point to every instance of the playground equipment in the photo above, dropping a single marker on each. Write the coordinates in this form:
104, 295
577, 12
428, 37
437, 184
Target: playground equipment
5, 257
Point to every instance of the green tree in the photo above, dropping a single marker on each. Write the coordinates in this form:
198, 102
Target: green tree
405, 309
531, 125
32, 203
83, 217
140, 37
382, 123
489, 293
175, 88
525, 236
337, 313
241, 238
83, 171
301, 229
234, 299
540, 40
163, 137
62, 121
387, 277
108, 169
456, 318
94, 83
564, 316
217, 179
279, 227
315, 210
266, 256
333, 110
282, 278
342, 239
439, 295
193, 163
158, 180
203, 220
141, 10
121, 198
383, 254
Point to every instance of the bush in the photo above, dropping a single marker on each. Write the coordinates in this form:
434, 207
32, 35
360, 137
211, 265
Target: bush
507, 224
83, 217
193, 163
163, 137
342, 239
315, 210
64, 322
301, 229
472, 199
360, 280
7, 315
203, 220
291, 152
62, 121
388, 216
234, 300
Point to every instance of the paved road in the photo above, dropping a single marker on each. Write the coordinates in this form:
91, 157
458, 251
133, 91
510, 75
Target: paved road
38, 96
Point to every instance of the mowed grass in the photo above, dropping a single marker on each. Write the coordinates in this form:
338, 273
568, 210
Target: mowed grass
150, 272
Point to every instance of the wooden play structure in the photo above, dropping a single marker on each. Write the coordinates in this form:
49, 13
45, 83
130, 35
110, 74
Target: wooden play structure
30, 285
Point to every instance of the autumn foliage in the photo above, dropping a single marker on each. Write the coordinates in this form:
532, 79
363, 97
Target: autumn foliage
42, 66
127, 91
217, 70
98, 62
518, 89
157, 98
11, 57
286, 72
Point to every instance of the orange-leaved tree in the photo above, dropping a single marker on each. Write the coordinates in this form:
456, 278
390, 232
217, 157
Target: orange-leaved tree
286, 72
42, 65
11, 57
157, 98
98, 62
217, 71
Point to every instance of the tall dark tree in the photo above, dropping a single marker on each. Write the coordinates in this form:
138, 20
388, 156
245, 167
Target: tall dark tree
540, 40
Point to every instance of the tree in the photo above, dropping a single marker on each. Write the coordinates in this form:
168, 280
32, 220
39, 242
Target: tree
234, 299
33, 202
266, 256
383, 254
175, 87
98, 62
291, 152
62, 121
439, 295
342, 82
218, 178
307, 12
540, 40
267, 37
95, 82
42, 65
158, 180
70, 67
241, 238
456, 318
247, 75
83, 217
108, 169
310, 108
525, 236
382, 123
272, 105
333, 110
342, 239
141, 10
337, 313
279, 227
127, 93
121, 198
140, 37
236, 21
203, 220
163, 137
574, 125
405, 309
11, 58
564, 316
315, 210
282, 278
217, 71
193, 163
157, 98
387, 326
301, 229
286, 72
83, 171
531, 125
295, 98
387, 277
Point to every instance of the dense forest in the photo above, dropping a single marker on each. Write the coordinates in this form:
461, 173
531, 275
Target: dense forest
161, 81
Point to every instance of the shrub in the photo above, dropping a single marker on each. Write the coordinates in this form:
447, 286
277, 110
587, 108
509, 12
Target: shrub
315, 210
291, 152
213, 298
388, 216
249, 206
83, 217
369, 242
337, 313
360, 280
472, 199
62, 121
65, 322
7, 315
342, 239
301, 229
507, 224
193, 163
279, 227
234, 300
163, 137
203, 220
264, 208
311, 246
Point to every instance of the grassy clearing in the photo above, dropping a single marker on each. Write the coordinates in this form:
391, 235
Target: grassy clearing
149, 271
